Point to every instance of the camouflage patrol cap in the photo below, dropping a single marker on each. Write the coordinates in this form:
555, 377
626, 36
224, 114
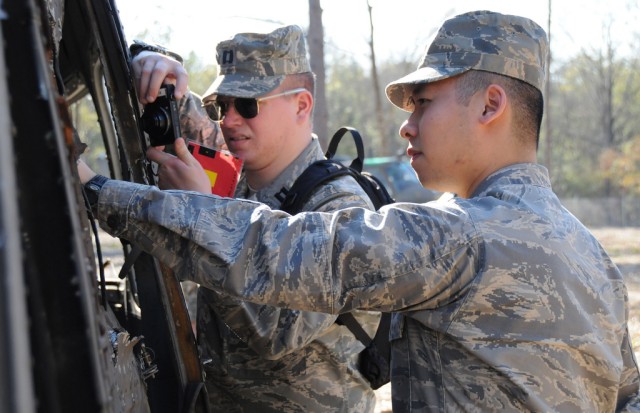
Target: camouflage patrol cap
480, 40
253, 64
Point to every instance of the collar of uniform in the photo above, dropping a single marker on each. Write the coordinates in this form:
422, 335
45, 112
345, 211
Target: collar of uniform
517, 174
273, 194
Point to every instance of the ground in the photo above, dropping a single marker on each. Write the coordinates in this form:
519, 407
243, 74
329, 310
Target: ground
623, 244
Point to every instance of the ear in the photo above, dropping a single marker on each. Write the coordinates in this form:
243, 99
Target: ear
305, 105
495, 103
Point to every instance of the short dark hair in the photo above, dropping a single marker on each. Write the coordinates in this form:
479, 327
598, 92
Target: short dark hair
527, 100
306, 80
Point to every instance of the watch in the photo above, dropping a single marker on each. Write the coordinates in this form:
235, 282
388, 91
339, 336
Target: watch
140, 46
92, 189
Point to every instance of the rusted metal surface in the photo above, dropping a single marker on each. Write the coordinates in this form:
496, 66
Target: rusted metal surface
65, 347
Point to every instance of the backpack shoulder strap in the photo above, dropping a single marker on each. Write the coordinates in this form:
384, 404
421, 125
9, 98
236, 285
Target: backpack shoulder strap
314, 176
348, 320
357, 162
325, 170
380, 340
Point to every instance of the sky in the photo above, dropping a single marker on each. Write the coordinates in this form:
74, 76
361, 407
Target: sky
402, 27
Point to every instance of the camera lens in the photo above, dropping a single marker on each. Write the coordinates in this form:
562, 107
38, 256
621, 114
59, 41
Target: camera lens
161, 119
156, 121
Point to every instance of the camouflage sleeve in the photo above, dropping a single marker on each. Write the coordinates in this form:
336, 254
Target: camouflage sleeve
628, 396
274, 332
319, 262
196, 124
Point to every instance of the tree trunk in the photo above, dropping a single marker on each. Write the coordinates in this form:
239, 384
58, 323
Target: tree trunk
607, 114
315, 39
547, 99
384, 141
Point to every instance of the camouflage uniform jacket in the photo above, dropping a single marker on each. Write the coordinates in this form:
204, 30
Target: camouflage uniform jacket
195, 123
505, 301
268, 359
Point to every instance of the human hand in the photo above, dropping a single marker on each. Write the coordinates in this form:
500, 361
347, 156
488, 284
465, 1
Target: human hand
179, 172
84, 172
152, 69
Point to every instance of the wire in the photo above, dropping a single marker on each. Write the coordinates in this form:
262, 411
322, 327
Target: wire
94, 229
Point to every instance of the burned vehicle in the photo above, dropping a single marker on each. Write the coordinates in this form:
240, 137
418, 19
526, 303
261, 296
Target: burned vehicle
74, 340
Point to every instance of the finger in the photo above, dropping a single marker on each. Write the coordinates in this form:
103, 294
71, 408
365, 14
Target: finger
181, 81
183, 153
137, 73
146, 73
157, 77
158, 156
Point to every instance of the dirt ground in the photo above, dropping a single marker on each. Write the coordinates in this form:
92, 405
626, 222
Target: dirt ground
623, 245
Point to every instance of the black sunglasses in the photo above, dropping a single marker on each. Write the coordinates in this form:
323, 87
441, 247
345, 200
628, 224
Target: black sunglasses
248, 108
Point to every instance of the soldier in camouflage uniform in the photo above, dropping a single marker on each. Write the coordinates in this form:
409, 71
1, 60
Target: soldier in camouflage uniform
195, 123
504, 301
263, 358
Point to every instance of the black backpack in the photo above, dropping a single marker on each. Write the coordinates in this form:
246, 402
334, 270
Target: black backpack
374, 360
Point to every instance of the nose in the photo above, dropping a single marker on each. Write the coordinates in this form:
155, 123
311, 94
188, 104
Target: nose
231, 116
409, 128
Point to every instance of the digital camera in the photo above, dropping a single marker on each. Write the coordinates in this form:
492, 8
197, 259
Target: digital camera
161, 120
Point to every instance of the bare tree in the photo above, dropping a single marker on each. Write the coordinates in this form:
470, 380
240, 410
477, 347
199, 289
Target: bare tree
315, 38
608, 75
385, 142
547, 92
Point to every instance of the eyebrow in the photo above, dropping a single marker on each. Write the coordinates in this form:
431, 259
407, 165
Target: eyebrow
418, 89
